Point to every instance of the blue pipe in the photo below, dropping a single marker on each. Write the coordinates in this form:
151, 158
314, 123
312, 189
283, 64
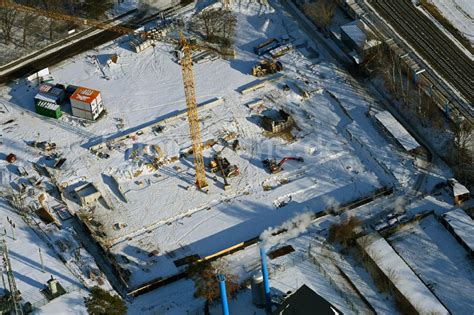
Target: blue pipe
225, 304
266, 282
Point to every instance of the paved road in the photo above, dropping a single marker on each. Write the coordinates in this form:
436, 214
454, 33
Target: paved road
76, 48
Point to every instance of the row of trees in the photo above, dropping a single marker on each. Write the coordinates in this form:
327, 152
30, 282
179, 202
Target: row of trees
421, 109
216, 26
29, 22
321, 12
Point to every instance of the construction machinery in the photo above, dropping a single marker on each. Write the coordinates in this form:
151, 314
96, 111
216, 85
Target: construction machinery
266, 67
191, 103
222, 163
273, 167
227, 170
8, 4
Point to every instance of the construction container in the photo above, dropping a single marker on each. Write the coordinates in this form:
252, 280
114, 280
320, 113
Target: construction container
50, 93
48, 109
86, 103
70, 89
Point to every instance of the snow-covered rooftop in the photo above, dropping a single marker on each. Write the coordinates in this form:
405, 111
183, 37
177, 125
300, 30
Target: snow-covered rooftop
462, 225
459, 189
399, 132
355, 32
402, 277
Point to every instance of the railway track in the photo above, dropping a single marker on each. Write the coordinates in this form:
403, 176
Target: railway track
431, 43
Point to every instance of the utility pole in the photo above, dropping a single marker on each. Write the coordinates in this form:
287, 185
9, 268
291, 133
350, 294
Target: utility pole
15, 294
13, 226
41, 259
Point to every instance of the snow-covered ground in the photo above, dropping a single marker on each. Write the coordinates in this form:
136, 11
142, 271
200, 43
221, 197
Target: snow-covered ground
460, 13
25, 259
339, 166
159, 217
71, 303
438, 259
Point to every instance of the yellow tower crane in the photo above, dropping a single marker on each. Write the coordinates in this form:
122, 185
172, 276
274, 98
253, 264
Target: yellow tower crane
8, 4
193, 119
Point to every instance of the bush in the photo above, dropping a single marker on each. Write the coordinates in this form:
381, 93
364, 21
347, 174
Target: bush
345, 232
206, 284
101, 302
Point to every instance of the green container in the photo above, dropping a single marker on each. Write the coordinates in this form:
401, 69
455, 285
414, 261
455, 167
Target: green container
48, 109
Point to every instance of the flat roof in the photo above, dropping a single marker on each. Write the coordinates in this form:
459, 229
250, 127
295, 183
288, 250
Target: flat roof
50, 98
399, 132
354, 31
85, 95
462, 225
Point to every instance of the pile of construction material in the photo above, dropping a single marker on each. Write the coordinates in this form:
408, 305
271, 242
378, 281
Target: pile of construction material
149, 38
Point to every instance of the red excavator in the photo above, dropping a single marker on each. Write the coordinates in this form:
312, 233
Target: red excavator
274, 167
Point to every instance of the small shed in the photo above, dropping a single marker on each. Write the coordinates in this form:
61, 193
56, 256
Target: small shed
459, 191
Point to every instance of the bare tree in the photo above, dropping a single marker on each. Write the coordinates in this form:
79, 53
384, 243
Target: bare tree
28, 19
216, 25
464, 136
7, 20
320, 12
206, 284
462, 153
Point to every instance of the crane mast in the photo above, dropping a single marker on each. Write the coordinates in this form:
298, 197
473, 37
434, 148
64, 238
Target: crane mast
193, 119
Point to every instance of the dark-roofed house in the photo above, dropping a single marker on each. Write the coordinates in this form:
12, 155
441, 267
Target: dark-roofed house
306, 302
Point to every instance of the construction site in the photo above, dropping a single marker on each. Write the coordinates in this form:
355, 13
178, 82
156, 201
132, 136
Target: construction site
179, 143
